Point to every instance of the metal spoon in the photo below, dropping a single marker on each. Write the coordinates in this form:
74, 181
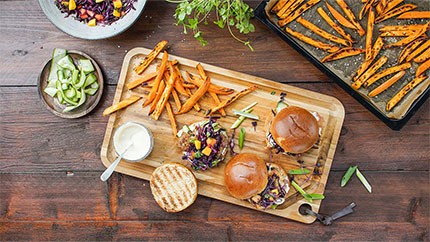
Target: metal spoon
108, 172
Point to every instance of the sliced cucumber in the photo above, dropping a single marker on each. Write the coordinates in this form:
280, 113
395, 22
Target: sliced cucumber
52, 83
81, 80
60, 97
71, 93
91, 78
51, 91
67, 63
86, 65
81, 101
95, 85
57, 54
60, 75
75, 76
69, 84
91, 91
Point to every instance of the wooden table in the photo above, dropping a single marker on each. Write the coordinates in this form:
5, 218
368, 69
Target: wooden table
50, 167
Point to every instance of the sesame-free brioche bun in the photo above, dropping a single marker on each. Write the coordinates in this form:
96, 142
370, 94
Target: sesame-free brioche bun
245, 175
294, 129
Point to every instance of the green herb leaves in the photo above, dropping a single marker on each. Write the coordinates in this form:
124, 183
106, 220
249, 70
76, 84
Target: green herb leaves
360, 176
230, 13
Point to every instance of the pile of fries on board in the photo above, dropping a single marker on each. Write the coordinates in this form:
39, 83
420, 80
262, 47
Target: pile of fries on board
167, 81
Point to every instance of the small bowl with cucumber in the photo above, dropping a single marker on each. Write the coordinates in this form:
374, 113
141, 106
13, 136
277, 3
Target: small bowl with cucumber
70, 84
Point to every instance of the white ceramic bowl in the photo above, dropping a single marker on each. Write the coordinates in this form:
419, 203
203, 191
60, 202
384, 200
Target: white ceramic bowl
135, 125
81, 30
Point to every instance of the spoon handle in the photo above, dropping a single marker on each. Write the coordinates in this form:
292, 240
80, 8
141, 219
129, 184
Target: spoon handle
108, 172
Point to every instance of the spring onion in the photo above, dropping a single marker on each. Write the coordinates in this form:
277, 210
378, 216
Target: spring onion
249, 106
245, 114
241, 138
308, 197
348, 175
239, 120
363, 180
301, 191
303, 171
317, 196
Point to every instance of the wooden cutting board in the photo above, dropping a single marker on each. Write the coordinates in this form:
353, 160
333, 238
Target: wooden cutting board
211, 182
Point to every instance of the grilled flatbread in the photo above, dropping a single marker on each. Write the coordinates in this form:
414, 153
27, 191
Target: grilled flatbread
174, 187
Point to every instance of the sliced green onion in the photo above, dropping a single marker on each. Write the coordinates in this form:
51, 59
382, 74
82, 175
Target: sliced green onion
249, 107
241, 138
240, 120
363, 180
317, 196
301, 191
299, 171
245, 114
347, 175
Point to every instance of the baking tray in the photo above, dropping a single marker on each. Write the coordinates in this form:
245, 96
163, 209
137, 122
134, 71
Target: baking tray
395, 120
211, 182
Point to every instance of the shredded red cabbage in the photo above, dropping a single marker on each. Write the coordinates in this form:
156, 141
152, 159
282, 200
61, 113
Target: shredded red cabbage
203, 132
274, 193
87, 10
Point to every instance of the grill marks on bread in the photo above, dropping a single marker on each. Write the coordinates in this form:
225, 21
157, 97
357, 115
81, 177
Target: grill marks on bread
174, 187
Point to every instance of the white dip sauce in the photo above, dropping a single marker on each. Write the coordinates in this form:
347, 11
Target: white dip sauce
135, 135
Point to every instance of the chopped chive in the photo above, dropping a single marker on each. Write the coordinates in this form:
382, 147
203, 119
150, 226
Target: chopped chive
301, 191
273, 93
363, 180
245, 114
347, 175
240, 120
317, 196
302, 171
249, 107
241, 137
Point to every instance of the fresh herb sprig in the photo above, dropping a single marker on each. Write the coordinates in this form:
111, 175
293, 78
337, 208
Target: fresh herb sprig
230, 13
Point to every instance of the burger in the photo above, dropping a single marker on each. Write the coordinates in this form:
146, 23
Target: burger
204, 144
248, 177
292, 130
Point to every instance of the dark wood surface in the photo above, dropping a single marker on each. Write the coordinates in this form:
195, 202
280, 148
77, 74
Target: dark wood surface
50, 167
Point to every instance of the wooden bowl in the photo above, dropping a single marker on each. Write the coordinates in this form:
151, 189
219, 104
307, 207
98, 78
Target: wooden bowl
54, 106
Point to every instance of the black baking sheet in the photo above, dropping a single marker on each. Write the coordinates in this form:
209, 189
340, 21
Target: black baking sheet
342, 78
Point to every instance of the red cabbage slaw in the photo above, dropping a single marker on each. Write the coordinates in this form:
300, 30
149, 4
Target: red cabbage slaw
202, 132
275, 192
87, 10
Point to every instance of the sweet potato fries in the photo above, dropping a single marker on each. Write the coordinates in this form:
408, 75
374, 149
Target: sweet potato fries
167, 81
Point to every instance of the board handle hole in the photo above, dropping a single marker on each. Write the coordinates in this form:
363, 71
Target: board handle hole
303, 208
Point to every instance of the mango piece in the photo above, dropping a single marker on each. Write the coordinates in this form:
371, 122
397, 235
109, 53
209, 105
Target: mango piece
116, 13
206, 151
117, 4
92, 22
72, 5
198, 144
211, 141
